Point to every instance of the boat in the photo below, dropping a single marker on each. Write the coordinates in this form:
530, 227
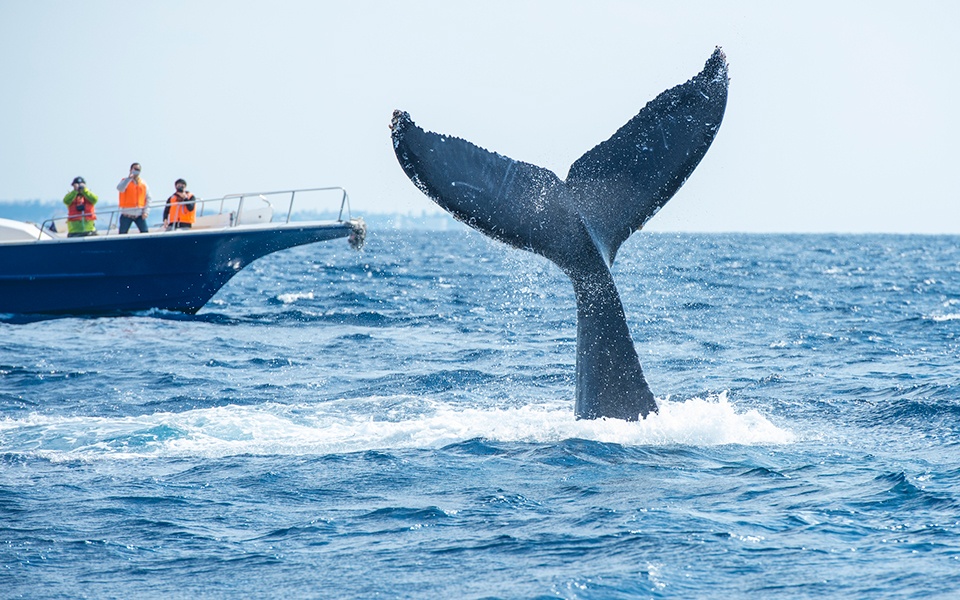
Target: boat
43, 271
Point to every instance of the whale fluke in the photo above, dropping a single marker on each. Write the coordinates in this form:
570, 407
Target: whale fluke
580, 223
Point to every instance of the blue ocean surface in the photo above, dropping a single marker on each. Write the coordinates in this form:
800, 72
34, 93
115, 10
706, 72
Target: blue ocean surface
399, 424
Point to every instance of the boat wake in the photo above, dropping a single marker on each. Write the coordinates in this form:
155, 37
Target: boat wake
377, 423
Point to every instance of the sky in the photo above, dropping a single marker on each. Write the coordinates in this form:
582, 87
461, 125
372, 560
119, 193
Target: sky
842, 116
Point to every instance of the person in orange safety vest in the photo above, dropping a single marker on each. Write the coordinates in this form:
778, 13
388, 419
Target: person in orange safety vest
181, 209
134, 200
81, 214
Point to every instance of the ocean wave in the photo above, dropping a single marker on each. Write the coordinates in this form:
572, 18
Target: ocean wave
291, 297
291, 313
901, 491
359, 425
943, 318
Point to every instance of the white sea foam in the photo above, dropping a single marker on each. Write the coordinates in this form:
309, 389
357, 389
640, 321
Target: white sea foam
292, 297
944, 318
343, 427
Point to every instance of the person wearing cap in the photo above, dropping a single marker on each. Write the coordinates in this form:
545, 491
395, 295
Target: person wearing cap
181, 209
81, 214
134, 200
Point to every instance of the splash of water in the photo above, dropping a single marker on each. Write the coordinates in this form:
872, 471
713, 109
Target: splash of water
360, 425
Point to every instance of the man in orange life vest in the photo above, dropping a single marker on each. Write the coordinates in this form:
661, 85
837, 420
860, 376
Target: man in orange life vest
81, 214
181, 209
134, 200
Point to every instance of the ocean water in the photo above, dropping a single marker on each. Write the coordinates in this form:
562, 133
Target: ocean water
399, 424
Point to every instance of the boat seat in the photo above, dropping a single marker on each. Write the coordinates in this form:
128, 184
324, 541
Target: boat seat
60, 226
219, 221
256, 215
247, 217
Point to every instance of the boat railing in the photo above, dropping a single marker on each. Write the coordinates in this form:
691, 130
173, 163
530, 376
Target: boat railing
233, 210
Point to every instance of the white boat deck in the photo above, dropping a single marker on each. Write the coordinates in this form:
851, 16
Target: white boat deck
232, 210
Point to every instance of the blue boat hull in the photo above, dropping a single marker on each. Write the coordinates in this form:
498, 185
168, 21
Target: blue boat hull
174, 271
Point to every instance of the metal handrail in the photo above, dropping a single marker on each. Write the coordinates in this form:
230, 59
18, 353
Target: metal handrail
234, 217
344, 199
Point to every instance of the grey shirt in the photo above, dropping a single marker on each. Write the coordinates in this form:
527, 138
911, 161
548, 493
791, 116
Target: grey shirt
134, 212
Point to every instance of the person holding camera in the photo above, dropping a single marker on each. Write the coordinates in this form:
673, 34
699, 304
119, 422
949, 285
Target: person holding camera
81, 214
181, 209
134, 200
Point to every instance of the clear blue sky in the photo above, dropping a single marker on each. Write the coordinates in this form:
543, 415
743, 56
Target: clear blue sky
842, 116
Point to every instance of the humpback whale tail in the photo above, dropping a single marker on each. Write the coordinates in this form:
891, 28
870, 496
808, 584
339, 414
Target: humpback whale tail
580, 223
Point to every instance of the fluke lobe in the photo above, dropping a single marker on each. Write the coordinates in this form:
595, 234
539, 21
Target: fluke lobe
579, 223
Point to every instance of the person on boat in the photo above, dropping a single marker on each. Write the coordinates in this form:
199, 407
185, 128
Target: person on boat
134, 200
181, 209
81, 214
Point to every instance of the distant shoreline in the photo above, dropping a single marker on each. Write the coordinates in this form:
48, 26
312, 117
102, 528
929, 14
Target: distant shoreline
37, 211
